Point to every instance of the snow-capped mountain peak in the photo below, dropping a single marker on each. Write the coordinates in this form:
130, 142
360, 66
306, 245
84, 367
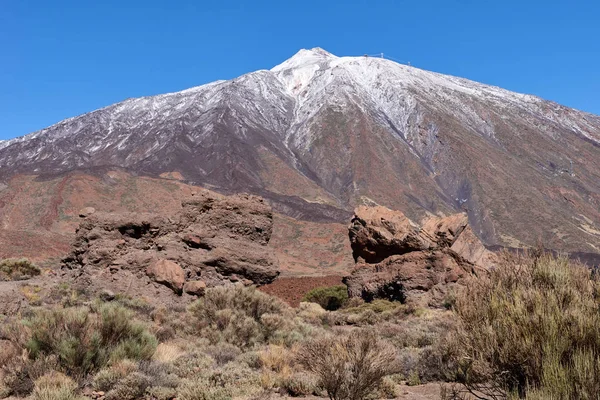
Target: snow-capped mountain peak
332, 131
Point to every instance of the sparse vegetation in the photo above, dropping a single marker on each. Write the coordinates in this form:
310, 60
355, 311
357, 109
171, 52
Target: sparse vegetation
13, 269
73, 341
349, 367
238, 315
530, 330
55, 386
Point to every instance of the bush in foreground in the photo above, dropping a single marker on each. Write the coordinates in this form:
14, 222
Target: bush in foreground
84, 340
239, 315
17, 269
531, 330
349, 367
330, 298
55, 386
74, 341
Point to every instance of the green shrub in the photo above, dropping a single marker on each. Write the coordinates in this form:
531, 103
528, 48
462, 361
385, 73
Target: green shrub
349, 367
84, 340
330, 298
530, 329
17, 269
242, 316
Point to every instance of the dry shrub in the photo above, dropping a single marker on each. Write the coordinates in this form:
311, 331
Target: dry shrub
230, 381
300, 384
126, 380
239, 315
388, 389
84, 340
167, 353
199, 390
17, 269
349, 367
109, 377
223, 353
311, 312
361, 313
421, 351
531, 329
55, 386
75, 341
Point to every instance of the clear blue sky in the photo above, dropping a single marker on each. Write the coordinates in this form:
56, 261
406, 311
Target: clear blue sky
62, 58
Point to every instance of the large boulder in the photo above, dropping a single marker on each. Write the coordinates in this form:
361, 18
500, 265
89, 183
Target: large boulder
214, 239
420, 277
397, 259
168, 273
378, 232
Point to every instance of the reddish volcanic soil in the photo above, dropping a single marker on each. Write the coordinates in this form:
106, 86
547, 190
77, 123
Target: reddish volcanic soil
292, 289
38, 218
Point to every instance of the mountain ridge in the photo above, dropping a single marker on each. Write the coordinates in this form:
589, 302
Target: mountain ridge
319, 133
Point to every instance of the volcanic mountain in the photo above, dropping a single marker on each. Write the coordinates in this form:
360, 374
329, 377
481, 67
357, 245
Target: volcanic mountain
316, 136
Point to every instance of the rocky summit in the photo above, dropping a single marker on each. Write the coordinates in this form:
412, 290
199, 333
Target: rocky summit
399, 260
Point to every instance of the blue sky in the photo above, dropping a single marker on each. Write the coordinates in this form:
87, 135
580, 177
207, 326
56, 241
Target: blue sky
62, 58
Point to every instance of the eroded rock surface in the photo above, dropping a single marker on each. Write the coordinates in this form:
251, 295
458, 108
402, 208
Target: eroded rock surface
397, 259
212, 240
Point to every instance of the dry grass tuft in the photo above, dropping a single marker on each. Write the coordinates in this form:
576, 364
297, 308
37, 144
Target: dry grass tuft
167, 353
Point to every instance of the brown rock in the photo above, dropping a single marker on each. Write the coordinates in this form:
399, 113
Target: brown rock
398, 260
470, 247
86, 212
196, 242
217, 237
196, 288
444, 230
410, 277
378, 232
167, 273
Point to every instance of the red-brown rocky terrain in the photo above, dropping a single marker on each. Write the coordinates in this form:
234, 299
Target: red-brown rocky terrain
398, 260
317, 136
213, 240
39, 218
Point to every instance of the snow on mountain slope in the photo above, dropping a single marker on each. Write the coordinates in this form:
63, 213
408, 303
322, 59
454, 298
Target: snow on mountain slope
310, 78
320, 133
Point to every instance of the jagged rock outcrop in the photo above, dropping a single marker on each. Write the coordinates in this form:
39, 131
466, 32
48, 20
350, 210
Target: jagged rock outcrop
398, 260
213, 240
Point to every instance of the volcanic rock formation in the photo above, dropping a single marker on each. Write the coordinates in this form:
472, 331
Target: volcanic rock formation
213, 240
398, 260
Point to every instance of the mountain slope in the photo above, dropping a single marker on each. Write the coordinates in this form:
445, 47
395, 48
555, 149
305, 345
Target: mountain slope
319, 134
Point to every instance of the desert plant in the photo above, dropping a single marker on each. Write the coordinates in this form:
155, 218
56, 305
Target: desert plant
125, 379
199, 390
330, 298
13, 269
239, 315
299, 384
532, 326
55, 386
83, 340
349, 367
